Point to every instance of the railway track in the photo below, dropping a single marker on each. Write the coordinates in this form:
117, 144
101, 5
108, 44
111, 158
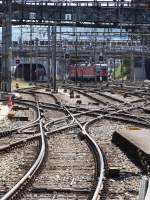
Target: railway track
123, 176
18, 179
66, 155
83, 151
15, 163
69, 170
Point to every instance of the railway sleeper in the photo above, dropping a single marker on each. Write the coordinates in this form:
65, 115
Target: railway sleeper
5, 133
16, 108
22, 189
62, 190
29, 132
134, 121
20, 118
93, 103
18, 144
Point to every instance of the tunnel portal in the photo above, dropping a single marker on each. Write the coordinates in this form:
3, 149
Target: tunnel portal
23, 71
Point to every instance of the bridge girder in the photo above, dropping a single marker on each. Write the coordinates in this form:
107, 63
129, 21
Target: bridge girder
81, 15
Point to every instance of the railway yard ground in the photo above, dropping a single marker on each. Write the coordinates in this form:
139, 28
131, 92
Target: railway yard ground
83, 141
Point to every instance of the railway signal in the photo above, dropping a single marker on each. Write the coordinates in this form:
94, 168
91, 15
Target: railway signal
67, 56
17, 61
101, 58
93, 60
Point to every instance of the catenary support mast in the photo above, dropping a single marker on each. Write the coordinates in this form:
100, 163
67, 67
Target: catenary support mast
6, 46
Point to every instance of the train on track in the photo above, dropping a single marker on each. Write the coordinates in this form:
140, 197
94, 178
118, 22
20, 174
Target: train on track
87, 72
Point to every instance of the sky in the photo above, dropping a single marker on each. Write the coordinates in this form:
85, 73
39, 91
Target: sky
41, 33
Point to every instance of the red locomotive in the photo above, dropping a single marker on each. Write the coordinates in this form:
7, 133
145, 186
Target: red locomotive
88, 72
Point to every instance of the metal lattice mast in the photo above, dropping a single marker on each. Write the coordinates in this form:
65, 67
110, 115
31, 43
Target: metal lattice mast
6, 46
54, 56
31, 50
49, 56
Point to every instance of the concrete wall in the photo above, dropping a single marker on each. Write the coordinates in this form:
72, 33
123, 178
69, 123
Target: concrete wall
139, 69
147, 68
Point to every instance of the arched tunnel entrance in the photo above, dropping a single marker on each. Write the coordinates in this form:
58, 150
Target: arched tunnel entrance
23, 71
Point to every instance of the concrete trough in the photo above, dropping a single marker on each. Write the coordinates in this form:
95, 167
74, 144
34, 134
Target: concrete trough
135, 143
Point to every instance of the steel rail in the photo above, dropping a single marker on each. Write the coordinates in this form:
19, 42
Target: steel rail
101, 94
100, 164
89, 96
98, 117
97, 153
101, 111
46, 93
75, 115
30, 124
65, 127
41, 103
33, 123
106, 96
143, 119
34, 167
100, 158
95, 147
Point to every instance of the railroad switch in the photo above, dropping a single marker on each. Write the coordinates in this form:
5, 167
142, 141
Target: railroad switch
58, 102
71, 94
147, 110
41, 110
114, 173
48, 90
55, 91
112, 92
11, 116
17, 85
126, 95
81, 136
79, 102
42, 115
77, 96
121, 85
